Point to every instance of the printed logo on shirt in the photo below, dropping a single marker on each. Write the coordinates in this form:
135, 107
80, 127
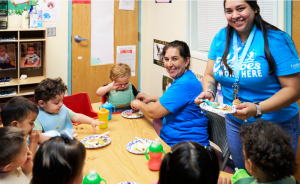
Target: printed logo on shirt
249, 68
295, 66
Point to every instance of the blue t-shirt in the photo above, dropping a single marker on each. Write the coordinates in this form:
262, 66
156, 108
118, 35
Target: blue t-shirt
256, 85
186, 122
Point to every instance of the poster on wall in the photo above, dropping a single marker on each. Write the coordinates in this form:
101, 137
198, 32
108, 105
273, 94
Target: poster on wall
31, 54
163, 1
7, 56
51, 10
158, 46
166, 83
126, 54
16, 7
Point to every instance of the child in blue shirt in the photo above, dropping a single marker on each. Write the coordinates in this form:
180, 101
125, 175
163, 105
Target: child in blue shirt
20, 112
53, 114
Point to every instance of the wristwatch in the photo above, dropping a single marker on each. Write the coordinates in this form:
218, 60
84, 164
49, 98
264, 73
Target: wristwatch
258, 110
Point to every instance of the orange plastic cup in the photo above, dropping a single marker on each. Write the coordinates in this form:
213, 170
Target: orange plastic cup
103, 116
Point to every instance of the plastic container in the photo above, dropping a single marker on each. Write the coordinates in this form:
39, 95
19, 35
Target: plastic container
33, 18
25, 19
29, 13
239, 174
155, 151
93, 178
109, 107
39, 16
103, 116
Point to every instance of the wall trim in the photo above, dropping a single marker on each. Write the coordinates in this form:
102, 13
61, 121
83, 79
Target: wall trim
70, 48
288, 17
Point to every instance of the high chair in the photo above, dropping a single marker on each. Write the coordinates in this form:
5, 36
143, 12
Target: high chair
80, 103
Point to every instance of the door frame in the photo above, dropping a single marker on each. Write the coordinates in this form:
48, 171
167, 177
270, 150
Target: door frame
70, 47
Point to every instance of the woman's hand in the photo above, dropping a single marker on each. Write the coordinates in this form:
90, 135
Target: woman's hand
224, 180
144, 98
135, 104
204, 95
245, 111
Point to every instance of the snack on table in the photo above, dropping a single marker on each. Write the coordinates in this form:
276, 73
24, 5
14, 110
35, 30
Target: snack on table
95, 141
141, 147
226, 108
133, 114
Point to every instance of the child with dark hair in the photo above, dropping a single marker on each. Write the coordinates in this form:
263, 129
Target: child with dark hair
53, 114
268, 153
60, 161
15, 157
20, 112
189, 162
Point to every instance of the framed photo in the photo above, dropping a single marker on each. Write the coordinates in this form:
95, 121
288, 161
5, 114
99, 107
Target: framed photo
31, 54
7, 56
166, 83
158, 47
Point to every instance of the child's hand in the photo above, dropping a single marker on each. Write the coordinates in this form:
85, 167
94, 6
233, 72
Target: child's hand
34, 136
224, 180
29, 157
95, 123
7, 61
114, 85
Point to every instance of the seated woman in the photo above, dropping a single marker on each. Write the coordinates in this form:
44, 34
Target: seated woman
183, 120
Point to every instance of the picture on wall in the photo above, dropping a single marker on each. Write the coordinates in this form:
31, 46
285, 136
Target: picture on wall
31, 54
7, 56
166, 83
163, 1
158, 46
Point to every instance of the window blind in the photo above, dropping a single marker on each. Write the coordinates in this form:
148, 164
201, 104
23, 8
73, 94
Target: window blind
211, 18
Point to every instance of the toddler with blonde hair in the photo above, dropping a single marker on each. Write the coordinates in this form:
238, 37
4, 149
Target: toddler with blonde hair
120, 92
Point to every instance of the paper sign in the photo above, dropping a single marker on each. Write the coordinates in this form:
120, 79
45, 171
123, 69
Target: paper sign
126, 54
51, 10
126, 4
20, 1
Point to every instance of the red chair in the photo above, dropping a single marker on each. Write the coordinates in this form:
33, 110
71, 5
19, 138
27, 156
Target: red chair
80, 103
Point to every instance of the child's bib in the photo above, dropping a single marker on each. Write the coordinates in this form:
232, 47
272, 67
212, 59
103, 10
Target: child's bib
59, 122
121, 99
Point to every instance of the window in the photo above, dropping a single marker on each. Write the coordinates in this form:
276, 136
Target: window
205, 18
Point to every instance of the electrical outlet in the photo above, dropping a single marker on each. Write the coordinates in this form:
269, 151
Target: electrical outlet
51, 31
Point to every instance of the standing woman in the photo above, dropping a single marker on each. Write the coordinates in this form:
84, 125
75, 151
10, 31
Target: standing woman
258, 68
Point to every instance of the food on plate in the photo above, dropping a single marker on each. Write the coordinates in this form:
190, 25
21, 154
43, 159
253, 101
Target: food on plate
95, 141
236, 102
226, 108
140, 147
134, 114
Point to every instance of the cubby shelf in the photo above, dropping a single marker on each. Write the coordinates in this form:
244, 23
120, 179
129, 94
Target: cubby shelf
34, 74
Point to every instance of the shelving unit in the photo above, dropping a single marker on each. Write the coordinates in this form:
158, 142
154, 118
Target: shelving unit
3, 14
34, 74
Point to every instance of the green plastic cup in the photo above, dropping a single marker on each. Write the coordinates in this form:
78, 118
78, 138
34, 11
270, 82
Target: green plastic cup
239, 174
92, 178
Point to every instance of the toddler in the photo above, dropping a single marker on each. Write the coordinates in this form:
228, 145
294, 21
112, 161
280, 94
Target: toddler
4, 58
53, 114
20, 112
189, 162
120, 92
15, 157
269, 155
60, 161
31, 59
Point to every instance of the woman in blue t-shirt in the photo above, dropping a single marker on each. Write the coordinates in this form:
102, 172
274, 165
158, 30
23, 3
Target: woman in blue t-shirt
258, 68
183, 120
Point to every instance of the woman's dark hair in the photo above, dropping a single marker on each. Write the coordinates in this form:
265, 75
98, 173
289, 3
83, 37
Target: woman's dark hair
183, 48
191, 163
268, 147
263, 26
58, 160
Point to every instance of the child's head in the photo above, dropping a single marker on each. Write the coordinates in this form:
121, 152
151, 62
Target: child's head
49, 95
30, 49
267, 149
2, 50
19, 112
59, 160
120, 73
13, 148
189, 162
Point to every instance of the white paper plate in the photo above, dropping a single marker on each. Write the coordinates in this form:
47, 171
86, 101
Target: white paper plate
130, 145
124, 114
128, 182
93, 137
206, 107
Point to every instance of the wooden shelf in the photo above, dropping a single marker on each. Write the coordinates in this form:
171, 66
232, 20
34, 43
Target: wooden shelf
31, 39
23, 29
12, 83
32, 80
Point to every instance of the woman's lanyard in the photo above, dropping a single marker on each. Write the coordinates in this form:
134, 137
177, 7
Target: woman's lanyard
238, 62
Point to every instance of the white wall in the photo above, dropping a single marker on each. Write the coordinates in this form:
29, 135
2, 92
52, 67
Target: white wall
164, 22
56, 47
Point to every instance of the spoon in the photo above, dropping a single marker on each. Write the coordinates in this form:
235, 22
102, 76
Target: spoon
129, 113
210, 104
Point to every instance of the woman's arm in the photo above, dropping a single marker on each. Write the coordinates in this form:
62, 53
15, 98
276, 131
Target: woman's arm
209, 84
289, 94
153, 111
146, 98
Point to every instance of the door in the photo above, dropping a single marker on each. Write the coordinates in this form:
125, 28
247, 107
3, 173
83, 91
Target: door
87, 78
296, 39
